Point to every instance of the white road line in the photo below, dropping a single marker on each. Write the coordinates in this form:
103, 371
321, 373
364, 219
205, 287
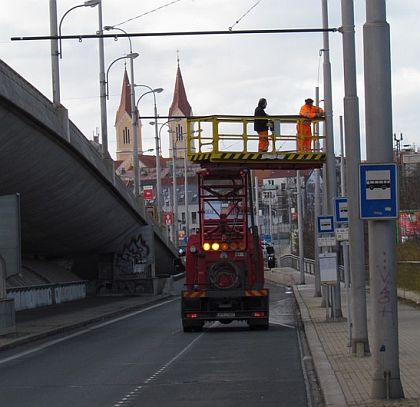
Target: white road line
162, 369
92, 328
279, 324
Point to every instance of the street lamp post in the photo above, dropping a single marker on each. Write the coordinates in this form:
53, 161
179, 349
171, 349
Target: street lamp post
134, 116
56, 49
157, 147
174, 200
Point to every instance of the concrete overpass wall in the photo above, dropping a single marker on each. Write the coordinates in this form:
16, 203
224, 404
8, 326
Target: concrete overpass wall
72, 203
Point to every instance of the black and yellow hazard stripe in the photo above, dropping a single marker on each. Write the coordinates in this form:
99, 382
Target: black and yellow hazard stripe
254, 157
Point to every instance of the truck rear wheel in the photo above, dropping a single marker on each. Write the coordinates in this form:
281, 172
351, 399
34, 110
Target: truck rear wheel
192, 328
261, 324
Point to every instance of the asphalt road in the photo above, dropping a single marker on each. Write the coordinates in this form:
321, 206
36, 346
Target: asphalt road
147, 360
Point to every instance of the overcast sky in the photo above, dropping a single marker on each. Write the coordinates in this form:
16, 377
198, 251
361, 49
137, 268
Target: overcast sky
222, 74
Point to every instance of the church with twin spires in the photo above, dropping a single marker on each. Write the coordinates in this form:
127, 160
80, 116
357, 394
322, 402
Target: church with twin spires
180, 108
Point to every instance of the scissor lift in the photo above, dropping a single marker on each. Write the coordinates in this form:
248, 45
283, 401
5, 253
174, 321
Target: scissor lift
231, 141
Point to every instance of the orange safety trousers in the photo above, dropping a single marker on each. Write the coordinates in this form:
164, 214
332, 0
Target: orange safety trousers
304, 137
263, 141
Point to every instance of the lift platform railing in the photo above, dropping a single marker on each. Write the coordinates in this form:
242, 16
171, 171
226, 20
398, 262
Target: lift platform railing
214, 137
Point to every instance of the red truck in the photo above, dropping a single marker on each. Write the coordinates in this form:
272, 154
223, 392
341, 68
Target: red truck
224, 262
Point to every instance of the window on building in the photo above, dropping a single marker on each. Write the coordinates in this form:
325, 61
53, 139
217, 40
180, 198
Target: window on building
126, 135
194, 217
179, 133
183, 217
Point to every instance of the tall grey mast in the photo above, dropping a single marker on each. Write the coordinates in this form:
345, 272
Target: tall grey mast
382, 245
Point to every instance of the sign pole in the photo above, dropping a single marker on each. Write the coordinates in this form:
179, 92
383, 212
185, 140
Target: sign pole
382, 246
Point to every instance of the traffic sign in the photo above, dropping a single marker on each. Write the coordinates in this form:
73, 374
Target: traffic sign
266, 237
342, 234
378, 191
326, 241
328, 268
148, 193
167, 218
341, 210
325, 224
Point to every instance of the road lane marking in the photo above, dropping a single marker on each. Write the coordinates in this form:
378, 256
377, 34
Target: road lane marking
82, 332
124, 400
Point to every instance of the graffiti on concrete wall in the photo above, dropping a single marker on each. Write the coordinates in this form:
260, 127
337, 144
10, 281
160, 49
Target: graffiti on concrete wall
133, 257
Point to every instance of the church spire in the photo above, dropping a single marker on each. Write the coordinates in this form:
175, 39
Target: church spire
180, 101
125, 103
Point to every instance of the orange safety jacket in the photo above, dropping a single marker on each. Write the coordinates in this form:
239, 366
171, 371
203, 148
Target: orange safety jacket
310, 112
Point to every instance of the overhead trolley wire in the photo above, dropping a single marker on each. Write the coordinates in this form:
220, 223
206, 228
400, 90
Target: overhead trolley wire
80, 37
148, 12
243, 15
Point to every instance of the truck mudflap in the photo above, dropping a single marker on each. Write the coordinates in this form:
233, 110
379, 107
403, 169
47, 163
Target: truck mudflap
199, 307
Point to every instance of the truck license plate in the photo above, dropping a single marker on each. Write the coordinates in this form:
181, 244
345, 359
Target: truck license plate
226, 314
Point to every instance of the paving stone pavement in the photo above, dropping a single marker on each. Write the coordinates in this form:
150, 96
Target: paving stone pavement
346, 379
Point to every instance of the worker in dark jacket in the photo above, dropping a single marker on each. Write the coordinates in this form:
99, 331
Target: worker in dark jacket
261, 126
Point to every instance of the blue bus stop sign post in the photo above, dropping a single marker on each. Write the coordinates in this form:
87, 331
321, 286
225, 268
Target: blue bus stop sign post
341, 210
325, 224
378, 191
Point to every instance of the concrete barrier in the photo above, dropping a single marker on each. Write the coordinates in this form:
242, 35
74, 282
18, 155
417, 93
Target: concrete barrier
30, 297
7, 317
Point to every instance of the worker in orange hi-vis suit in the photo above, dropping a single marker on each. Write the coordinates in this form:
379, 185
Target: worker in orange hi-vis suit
304, 132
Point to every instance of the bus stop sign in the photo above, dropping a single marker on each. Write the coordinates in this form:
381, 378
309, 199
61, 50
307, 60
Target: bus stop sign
378, 191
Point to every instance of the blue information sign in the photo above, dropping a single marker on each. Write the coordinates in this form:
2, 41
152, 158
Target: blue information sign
266, 237
325, 224
341, 210
378, 191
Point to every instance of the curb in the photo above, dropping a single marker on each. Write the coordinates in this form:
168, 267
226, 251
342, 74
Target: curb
81, 324
331, 389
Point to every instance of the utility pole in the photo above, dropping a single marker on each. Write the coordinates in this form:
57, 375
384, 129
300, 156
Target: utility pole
345, 244
382, 245
331, 177
300, 228
102, 85
174, 199
359, 341
317, 210
187, 215
257, 206
55, 69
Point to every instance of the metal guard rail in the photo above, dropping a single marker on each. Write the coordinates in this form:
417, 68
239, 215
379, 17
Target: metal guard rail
290, 260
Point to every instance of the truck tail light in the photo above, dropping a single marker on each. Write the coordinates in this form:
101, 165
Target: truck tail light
206, 247
224, 246
191, 315
259, 314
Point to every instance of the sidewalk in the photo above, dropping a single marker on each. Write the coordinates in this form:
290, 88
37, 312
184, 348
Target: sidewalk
346, 379
42, 322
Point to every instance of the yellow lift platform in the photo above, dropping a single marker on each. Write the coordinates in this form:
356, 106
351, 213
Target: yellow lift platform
231, 141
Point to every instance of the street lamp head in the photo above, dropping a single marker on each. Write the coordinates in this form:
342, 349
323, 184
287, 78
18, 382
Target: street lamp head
91, 3
108, 27
133, 55
158, 90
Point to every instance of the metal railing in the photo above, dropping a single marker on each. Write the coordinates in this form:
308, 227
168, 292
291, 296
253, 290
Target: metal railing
217, 134
290, 260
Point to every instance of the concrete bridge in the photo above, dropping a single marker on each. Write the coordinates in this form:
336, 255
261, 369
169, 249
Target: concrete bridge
75, 212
